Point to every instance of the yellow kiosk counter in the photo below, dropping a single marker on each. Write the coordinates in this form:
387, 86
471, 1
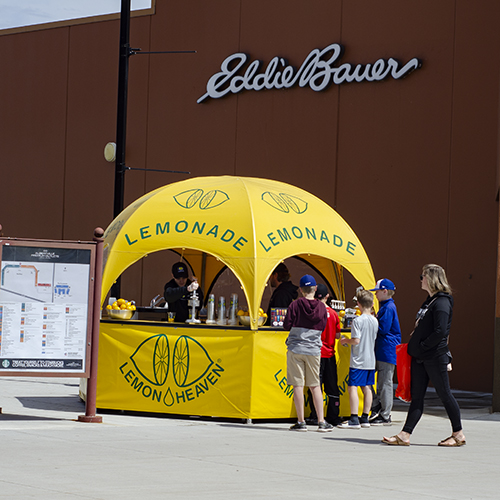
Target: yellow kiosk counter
247, 225
212, 371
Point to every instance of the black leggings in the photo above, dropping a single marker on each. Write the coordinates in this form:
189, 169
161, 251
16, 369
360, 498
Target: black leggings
328, 378
434, 370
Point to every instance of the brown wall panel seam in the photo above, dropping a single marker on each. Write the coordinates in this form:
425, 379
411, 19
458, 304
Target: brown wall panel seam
147, 107
450, 154
235, 153
65, 164
337, 134
146, 143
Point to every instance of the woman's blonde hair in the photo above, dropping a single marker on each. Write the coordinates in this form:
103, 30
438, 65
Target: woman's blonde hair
436, 278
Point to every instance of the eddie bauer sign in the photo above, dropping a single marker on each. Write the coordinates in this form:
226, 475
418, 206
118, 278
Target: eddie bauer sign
317, 71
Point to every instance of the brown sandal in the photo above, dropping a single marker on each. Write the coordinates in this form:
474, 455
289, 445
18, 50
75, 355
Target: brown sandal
456, 442
397, 441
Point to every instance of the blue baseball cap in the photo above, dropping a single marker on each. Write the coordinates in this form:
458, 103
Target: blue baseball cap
307, 280
384, 284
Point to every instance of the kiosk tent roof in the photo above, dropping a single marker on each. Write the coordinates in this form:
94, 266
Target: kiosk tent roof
248, 224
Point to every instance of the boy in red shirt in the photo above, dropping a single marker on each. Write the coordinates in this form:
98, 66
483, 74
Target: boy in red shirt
328, 367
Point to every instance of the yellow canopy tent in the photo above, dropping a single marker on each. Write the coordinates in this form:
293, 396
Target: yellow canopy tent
248, 224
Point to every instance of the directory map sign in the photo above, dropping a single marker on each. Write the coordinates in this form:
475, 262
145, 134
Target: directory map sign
45, 312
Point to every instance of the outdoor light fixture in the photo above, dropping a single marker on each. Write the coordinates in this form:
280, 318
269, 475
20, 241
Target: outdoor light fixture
110, 151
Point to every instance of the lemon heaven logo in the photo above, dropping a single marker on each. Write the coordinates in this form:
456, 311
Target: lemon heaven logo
192, 197
167, 377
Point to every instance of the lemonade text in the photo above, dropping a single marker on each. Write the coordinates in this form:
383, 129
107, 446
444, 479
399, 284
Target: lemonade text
284, 235
225, 235
281, 379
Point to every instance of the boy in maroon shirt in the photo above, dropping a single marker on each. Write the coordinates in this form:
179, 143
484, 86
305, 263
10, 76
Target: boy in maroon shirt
328, 367
305, 319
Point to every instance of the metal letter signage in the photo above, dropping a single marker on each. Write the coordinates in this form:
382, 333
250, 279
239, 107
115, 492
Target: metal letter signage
317, 71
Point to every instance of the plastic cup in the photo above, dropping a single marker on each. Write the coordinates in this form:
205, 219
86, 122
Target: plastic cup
171, 317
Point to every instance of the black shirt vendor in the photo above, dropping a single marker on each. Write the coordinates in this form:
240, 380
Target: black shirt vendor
178, 291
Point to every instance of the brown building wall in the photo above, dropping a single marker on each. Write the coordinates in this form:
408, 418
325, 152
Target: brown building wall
411, 164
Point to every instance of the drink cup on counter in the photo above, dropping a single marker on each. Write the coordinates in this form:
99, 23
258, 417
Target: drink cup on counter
171, 317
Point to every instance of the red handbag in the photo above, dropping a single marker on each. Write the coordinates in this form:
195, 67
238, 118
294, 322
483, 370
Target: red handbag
403, 360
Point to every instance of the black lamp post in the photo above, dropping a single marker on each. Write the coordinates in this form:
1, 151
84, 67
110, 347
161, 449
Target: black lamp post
121, 120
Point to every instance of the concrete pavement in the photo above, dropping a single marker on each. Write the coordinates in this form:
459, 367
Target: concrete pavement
46, 453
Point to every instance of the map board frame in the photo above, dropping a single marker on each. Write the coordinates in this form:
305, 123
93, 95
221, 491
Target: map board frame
74, 259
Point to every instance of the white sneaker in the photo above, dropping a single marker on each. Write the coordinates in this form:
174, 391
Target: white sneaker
348, 424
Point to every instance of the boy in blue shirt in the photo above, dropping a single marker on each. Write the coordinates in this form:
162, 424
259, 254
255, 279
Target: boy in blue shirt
362, 365
388, 337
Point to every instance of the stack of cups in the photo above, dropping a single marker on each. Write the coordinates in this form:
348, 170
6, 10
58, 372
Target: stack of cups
211, 310
233, 317
221, 312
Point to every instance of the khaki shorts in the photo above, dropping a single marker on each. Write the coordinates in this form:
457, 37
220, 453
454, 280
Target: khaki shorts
302, 370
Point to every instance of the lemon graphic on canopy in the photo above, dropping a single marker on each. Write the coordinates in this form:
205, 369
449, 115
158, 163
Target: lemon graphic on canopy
284, 202
190, 361
188, 199
211, 199
152, 359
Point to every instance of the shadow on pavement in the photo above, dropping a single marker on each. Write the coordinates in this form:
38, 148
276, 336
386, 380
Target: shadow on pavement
6, 417
55, 403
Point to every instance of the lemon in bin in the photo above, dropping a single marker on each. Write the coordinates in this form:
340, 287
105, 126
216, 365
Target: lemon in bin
121, 309
152, 359
244, 318
122, 314
190, 361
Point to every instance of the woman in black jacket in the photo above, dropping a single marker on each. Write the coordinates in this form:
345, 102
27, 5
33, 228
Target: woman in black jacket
428, 347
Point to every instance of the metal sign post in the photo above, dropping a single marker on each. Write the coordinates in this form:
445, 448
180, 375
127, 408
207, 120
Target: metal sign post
90, 401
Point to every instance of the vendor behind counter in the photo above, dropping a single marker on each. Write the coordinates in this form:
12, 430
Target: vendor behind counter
178, 290
285, 292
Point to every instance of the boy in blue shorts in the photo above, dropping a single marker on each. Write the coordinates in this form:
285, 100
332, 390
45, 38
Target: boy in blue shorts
362, 366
